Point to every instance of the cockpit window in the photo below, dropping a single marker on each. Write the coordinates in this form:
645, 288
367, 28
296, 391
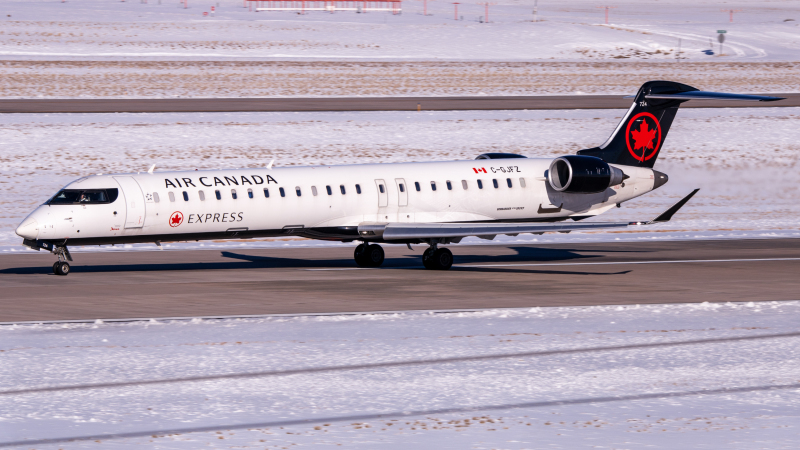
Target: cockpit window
84, 196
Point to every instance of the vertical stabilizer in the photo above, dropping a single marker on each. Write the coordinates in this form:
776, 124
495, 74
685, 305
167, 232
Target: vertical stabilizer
639, 136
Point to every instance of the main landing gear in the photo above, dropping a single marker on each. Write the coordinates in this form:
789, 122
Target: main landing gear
369, 255
434, 258
61, 267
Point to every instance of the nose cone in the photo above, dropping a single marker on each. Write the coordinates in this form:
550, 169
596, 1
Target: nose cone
659, 179
29, 229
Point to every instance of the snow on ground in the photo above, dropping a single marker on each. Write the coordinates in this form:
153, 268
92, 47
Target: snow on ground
744, 160
701, 376
573, 31
101, 48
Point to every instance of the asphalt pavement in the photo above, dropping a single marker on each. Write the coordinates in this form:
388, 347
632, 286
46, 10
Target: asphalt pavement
543, 102
168, 283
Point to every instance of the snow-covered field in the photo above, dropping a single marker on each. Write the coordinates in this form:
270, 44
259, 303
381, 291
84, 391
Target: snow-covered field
658, 376
101, 48
744, 160
572, 31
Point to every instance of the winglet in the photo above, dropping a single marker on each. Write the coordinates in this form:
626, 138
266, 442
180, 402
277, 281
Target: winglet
666, 215
269, 166
152, 168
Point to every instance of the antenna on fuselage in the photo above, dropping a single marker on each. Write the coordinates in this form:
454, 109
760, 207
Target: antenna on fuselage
269, 166
152, 168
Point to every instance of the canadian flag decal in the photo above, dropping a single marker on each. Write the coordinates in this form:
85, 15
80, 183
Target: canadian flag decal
479, 170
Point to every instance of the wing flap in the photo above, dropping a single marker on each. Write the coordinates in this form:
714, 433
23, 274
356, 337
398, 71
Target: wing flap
405, 231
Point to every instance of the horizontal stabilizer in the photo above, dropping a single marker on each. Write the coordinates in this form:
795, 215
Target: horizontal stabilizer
702, 95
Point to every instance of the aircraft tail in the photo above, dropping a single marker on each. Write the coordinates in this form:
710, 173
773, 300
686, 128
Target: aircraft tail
640, 134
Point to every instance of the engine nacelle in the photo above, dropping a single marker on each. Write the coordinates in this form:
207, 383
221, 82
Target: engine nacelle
582, 174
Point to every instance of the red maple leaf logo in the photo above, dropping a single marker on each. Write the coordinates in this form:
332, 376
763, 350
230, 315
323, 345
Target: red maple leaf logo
643, 137
176, 219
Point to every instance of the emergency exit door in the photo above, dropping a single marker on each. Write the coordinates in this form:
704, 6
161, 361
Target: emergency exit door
383, 193
402, 192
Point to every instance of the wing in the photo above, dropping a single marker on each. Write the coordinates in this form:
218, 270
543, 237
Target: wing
409, 231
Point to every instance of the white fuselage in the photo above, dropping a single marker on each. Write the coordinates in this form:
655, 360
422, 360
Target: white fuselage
212, 204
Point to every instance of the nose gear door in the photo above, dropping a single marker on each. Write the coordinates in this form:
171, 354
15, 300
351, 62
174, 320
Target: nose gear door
134, 202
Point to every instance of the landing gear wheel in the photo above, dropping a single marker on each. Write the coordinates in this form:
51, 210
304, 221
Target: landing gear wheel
440, 259
62, 268
374, 255
369, 255
55, 268
359, 255
427, 258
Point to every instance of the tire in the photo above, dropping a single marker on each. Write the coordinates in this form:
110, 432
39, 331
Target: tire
55, 268
63, 269
360, 255
374, 255
427, 258
443, 259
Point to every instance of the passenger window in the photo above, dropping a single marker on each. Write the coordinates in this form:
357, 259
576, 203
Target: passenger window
494, 182
266, 193
185, 196
341, 188
155, 197
218, 195
171, 196
433, 185
464, 184
480, 184
402, 188
449, 186
508, 182
314, 191
250, 193
233, 194
297, 190
283, 193
380, 188
330, 191
522, 182
416, 185
201, 195
358, 189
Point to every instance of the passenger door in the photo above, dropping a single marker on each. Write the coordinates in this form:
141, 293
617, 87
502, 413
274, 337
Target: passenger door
134, 202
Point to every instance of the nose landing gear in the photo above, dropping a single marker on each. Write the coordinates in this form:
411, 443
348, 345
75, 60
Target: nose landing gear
435, 258
369, 255
61, 267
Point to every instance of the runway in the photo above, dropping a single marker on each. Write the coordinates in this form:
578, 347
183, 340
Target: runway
107, 285
544, 102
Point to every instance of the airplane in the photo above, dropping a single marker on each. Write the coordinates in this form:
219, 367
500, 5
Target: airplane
432, 203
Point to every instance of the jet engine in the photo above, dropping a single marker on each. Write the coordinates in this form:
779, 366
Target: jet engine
583, 174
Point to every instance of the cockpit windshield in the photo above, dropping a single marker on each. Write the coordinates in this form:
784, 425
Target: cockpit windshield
84, 196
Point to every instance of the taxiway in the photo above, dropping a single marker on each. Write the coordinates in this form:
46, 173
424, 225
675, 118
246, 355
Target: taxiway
106, 285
